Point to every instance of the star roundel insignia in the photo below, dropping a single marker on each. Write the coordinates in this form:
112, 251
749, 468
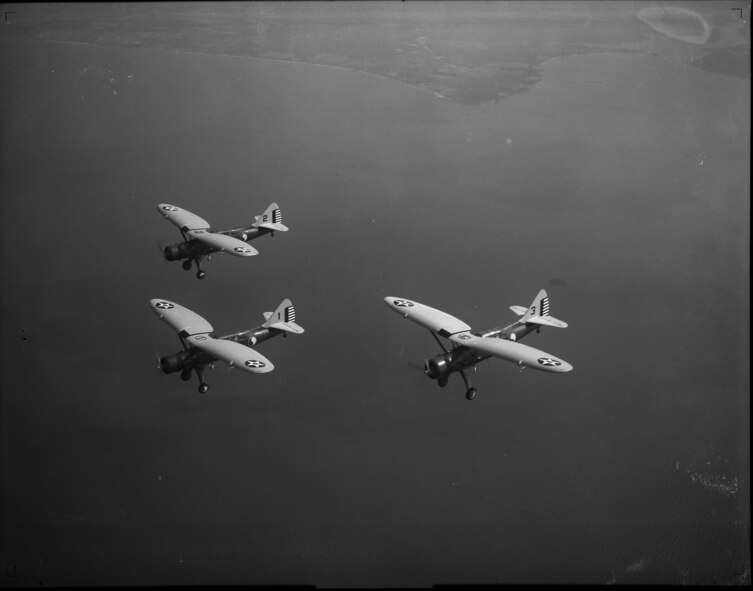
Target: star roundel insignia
254, 363
548, 361
169, 208
464, 337
201, 338
164, 305
402, 303
242, 249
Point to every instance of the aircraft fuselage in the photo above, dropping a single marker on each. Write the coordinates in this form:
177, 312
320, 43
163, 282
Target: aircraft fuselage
189, 359
460, 358
192, 249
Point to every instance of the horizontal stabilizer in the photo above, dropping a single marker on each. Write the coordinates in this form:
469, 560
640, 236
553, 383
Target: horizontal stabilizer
519, 310
272, 226
232, 353
546, 321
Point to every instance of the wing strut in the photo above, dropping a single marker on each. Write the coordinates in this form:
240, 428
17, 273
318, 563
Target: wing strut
436, 338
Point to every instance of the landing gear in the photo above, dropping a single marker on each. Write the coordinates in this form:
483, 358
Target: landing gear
185, 375
201, 274
470, 393
187, 265
203, 388
442, 382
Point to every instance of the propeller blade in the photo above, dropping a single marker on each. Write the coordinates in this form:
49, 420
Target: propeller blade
161, 251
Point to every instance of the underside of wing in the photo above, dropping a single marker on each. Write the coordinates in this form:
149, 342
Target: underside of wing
181, 319
546, 321
435, 320
232, 353
224, 243
519, 353
183, 219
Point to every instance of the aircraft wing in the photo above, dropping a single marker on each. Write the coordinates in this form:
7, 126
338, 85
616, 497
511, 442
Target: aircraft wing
513, 351
546, 321
185, 220
223, 242
179, 318
435, 320
232, 353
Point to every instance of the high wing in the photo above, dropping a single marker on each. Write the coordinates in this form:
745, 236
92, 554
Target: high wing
183, 219
223, 242
234, 354
513, 351
181, 319
435, 320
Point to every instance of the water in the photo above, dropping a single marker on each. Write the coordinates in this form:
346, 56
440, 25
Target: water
346, 466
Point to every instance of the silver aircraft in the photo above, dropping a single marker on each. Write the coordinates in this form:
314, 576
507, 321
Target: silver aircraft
202, 349
199, 242
469, 348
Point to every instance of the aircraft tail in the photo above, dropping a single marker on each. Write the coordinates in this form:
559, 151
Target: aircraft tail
271, 219
283, 318
538, 312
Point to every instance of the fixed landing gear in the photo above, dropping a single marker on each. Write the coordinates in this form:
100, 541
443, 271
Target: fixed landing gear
470, 393
185, 375
187, 266
442, 382
203, 388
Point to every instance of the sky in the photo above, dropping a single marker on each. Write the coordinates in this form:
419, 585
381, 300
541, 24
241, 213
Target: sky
464, 159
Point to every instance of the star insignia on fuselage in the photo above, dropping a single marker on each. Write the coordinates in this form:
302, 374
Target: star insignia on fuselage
164, 305
549, 361
402, 303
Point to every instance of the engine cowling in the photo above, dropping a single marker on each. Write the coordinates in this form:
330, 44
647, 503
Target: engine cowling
176, 362
174, 253
438, 367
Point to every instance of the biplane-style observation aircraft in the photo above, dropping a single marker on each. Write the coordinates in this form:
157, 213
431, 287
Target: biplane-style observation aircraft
202, 349
469, 348
199, 242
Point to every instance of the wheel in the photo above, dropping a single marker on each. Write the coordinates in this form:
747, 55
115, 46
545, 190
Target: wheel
442, 382
187, 265
185, 375
471, 393
203, 388
201, 274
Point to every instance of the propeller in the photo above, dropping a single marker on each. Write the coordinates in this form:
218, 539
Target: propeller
161, 251
157, 356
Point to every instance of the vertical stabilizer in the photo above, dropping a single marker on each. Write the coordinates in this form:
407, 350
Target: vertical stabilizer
539, 306
271, 219
283, 318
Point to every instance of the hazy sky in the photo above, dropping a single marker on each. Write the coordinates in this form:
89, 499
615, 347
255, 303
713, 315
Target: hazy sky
611, 170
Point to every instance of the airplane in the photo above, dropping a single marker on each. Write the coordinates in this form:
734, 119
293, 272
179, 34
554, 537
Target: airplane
199, 242
201, 348
470, 348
